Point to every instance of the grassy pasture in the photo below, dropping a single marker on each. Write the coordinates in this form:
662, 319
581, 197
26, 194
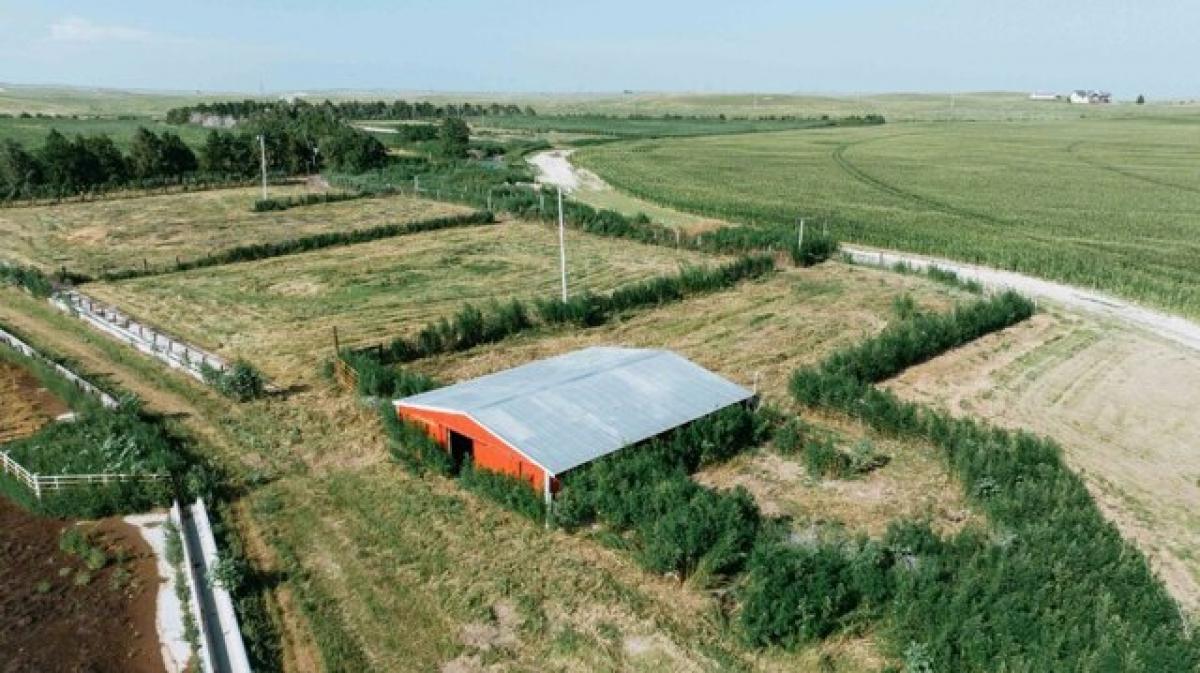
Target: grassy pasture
120, 233
1110, 204
280, 312
32, 132
475, 583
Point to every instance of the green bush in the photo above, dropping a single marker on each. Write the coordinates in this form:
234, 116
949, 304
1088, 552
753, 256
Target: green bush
1054, 587
510, 492
29, 278
241, 381
412, 447
472, 326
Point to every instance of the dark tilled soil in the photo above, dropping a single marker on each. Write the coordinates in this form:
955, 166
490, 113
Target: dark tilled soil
58, 615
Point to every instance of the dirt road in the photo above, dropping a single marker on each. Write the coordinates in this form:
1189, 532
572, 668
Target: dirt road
555, 168
1115, 383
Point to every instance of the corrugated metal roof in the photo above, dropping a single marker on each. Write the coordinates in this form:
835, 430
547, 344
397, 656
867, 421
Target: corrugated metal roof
568, 410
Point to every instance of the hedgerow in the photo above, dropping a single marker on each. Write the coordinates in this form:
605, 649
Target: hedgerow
924, 335
506, 490
284, 203
241, 381
680, 526
292, 246
1052, 586
472, 326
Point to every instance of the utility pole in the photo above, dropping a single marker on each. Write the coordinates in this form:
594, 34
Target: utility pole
262, 151
562, 246
800, 236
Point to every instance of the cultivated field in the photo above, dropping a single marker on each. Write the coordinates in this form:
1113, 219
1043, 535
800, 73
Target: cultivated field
1104, 203
280, 312
124, 233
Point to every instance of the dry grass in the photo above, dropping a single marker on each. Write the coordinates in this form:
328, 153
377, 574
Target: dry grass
120, 234
280, 313
1123, 405
762, 329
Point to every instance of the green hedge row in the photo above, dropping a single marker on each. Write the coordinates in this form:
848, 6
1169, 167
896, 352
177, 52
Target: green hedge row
925, 335
680, 526
1051, 586
292, 246
286, 202
472, 326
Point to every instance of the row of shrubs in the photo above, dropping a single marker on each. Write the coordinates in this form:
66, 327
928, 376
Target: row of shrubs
1050, 585
292, 246
508, 190
33, 280
472, 326
286, 202
925, 335
678, 525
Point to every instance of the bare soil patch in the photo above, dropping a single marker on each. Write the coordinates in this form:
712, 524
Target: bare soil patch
25, 405
51, 619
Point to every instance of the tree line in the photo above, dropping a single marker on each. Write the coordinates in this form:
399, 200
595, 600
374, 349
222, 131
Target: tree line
65, 166
396, 110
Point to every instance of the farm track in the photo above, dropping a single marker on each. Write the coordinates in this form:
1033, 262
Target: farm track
1073, 150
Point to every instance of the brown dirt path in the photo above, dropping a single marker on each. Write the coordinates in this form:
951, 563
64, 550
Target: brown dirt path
25, 406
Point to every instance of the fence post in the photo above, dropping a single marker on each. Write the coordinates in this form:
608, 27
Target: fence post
37, 486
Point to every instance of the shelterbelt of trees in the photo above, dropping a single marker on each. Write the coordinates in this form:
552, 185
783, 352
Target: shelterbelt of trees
399, 110
297, 140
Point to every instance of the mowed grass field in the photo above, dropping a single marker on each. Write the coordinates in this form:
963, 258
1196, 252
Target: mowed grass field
125, 233
1106, 203
475, 585
280, 312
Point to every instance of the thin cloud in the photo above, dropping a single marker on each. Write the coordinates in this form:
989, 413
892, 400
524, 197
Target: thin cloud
79, 29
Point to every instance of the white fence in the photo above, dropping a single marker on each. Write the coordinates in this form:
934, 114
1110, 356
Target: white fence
40, 483
29, 352
175, 353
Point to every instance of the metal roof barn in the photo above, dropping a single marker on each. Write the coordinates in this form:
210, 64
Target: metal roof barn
565, 411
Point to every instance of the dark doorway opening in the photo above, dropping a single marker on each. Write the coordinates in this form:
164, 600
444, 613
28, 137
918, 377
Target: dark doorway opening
462, 449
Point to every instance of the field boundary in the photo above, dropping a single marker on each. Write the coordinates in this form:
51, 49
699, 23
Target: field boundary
1172, 327
28, 351
57, 482
176, 353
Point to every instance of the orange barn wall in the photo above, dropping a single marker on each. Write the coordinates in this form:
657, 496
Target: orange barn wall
491, 453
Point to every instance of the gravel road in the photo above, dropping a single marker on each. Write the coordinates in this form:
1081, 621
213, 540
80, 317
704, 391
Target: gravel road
554, 167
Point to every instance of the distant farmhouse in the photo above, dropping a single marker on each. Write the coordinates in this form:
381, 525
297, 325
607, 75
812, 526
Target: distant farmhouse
1090, 97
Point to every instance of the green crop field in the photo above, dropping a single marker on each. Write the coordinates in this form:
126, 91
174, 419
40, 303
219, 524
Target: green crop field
31, 131
1112, 203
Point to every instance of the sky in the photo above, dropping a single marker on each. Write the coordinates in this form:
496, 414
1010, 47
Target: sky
817, 46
